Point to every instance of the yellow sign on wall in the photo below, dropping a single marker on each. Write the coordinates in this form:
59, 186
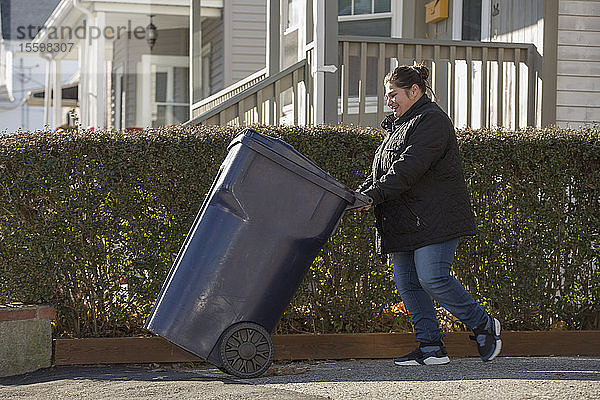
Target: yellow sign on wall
436, 11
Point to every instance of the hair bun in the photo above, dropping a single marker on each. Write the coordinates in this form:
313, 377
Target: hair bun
423, 71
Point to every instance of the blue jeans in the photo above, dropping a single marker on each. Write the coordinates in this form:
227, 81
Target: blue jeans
425, 273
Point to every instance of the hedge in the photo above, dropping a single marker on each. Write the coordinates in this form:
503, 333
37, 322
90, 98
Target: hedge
91, 223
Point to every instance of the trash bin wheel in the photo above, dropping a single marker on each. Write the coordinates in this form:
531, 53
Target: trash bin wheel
246, 350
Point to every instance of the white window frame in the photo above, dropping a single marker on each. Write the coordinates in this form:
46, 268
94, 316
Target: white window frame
371, 15
146, 106
457, 19
285, 12
298, 26
397, 7
486, 23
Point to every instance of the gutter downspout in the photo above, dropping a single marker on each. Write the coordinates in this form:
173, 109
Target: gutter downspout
11, 104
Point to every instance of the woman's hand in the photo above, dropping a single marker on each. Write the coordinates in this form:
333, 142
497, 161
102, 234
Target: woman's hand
363, 208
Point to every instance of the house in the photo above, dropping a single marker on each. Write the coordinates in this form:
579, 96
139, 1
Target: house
502, 63
125, 78
495, 62
228, 45
22, 67
124, 82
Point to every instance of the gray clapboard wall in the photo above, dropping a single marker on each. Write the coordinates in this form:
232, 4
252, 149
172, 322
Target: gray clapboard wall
245, 34
578, 64
518, 21
212, 33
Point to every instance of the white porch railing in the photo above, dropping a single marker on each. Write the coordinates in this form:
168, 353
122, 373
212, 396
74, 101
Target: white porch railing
504, 92
221, 96
261, 102
482, 82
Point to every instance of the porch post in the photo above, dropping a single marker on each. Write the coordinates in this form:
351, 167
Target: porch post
549, 62
273, 52
195, 54
101, 66
92, 80
83, 89
56, 95
273, 36
48, 93
326, 90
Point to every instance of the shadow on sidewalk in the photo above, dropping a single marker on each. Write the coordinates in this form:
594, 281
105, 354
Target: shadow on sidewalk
509, 368
118, 373
462, 369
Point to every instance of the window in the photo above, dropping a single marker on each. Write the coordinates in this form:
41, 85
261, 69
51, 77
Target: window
361, 7
170, 95
471, 22
163, 91
292, 15
291, 38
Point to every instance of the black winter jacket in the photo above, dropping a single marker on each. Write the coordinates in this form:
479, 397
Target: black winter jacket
417, 184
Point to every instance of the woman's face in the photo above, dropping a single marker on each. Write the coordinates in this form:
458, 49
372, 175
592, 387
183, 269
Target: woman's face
400, 99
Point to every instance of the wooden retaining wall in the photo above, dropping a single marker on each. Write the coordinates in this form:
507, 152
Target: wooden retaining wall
335, 346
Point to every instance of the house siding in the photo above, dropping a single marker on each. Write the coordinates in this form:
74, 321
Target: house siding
578, 64
519, 22
127, 53
212, 32
247, 38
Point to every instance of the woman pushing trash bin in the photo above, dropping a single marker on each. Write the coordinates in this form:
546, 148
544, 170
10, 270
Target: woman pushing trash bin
422, 208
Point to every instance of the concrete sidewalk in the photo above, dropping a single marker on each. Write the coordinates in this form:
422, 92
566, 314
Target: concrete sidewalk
467, 378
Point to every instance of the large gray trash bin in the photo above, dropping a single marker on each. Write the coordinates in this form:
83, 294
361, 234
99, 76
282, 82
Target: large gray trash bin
267, 215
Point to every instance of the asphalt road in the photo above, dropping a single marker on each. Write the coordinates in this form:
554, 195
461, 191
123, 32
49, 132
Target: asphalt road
467, 378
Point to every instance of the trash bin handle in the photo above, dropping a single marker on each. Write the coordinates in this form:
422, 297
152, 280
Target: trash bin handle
360, 200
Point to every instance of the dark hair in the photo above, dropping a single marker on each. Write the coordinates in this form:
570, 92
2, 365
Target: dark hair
404, 76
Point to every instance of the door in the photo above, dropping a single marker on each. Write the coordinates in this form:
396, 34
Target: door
164, 95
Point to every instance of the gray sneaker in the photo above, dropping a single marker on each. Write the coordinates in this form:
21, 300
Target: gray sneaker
488, 340
425, 354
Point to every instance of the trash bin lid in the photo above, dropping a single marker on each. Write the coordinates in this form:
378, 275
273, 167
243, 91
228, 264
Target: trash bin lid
285, 155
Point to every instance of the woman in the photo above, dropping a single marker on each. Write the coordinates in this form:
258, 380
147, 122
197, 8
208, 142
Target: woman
422, 208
